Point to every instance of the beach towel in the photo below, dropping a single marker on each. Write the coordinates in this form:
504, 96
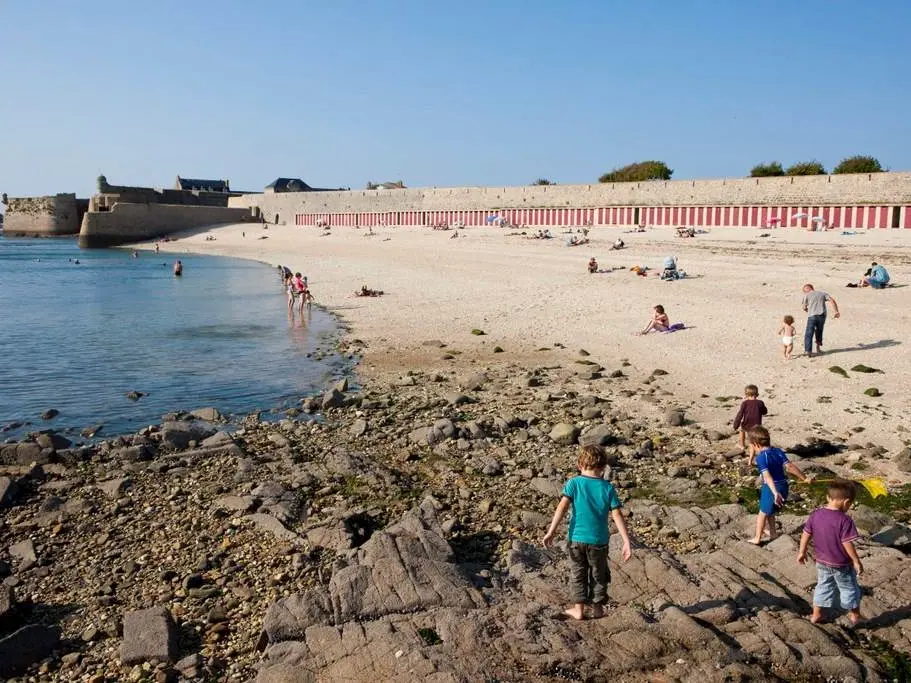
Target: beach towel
676, 327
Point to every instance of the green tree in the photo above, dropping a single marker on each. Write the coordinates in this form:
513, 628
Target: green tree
543, 181
859, 164
641, 170
766, 170
371, 185
806, 168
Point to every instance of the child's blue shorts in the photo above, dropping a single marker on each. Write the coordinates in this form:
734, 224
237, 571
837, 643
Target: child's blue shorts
767, 500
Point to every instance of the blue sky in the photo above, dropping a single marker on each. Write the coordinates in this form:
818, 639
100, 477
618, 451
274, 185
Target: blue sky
495, 92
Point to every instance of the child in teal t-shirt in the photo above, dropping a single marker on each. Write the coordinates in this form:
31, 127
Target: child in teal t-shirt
593, 500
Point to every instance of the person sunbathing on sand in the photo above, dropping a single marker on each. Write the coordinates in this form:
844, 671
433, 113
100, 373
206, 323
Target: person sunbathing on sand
592, 265
363, 291
659, 321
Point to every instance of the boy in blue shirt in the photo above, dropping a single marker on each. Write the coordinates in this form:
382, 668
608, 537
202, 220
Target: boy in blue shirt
593, 500
772, 464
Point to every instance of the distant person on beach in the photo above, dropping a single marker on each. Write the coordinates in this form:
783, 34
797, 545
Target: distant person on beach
837, 565
178, 268
876, 277
814, 303
592, 265
618, 244
156, 247
772, 464
593, 500
299, 285
659, 322
750, 413
787, 334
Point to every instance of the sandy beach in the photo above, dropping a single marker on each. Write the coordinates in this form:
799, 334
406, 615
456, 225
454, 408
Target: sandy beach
528, 295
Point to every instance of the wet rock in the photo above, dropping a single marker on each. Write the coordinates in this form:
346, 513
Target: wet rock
25, 647
333, 399
149, 635
342, 385
53, 440
135, 395
91, 432
50, 414
208, 414
564, 433
177, 434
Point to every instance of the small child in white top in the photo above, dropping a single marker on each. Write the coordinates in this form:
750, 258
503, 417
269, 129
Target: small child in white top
787, 334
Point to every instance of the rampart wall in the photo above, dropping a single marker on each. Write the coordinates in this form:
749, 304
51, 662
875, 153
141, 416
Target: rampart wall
861, 200
124, 223
48, 216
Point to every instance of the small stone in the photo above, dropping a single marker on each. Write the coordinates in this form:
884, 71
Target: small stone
478, 332
24, 553
148, 635
564, 433
873, 391
675, 417
358, 428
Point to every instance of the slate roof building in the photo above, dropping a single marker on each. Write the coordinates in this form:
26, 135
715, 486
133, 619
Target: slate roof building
287, 185
202, 185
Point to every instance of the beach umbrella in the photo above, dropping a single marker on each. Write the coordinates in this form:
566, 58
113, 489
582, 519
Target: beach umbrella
818, 219
799, 216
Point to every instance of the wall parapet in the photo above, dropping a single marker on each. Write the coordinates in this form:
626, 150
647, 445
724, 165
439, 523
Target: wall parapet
636, 201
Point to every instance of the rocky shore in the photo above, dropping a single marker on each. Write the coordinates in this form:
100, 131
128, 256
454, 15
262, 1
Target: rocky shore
391, 533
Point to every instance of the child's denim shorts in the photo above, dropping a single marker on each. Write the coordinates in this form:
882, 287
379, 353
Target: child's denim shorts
840, 582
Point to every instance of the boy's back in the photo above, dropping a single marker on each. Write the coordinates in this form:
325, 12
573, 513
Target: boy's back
593, 499
830, 530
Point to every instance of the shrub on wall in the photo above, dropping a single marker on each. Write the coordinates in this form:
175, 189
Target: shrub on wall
766, 170
641, 170
543, 181
859, 164
806, 168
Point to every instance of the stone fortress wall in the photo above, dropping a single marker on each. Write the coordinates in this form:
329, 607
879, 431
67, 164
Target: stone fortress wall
49, 216
119, 214
125, 222
876, 200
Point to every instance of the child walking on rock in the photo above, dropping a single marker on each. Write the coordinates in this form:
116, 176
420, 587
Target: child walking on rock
750, 413
772, 464
593, 500
837, 564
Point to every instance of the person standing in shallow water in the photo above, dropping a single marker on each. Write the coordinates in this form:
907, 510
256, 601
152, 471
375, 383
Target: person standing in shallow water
178, 268
814, 303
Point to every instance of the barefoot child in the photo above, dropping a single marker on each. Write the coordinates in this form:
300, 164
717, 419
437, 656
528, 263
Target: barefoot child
787, 333
772, 463
750, 413
837, 563
593, 499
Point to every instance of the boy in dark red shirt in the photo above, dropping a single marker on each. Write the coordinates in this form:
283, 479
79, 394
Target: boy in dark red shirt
837, 563
750, 413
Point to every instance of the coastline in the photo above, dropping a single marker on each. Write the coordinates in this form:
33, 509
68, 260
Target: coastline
530, 294
408, 518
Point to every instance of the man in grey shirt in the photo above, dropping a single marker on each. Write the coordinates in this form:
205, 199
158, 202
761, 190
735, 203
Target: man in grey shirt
814, 303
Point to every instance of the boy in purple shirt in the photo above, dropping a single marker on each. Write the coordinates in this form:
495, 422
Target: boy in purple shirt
837, 563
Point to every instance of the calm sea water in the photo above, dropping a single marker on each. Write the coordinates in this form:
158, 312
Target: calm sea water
79, 337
